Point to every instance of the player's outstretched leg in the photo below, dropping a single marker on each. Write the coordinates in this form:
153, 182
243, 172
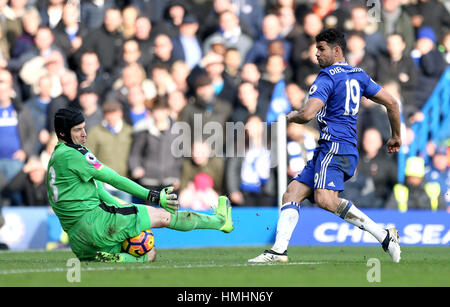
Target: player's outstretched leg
388, 238
188, 220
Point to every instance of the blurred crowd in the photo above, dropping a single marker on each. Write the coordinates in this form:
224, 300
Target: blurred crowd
136, 68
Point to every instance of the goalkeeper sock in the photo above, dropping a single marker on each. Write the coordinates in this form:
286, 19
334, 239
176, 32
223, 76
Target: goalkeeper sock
188, 220
286, 224
348, 212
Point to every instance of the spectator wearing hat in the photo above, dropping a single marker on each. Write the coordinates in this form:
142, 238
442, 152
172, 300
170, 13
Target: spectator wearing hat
213, 65
430, 63
205, 106
186, 45
439, 171
416, 192
110, 141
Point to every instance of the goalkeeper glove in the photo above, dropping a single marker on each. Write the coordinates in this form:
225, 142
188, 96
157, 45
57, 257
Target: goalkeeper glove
165, 198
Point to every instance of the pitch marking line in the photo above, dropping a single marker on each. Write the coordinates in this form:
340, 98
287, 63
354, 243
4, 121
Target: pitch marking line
144, 266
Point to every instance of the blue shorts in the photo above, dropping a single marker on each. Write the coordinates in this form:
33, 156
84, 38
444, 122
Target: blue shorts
332, 164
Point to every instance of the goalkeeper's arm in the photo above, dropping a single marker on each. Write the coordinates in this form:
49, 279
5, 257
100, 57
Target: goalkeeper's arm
165, 198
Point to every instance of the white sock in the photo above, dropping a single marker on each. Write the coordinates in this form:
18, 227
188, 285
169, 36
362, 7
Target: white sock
348, 212
286, 224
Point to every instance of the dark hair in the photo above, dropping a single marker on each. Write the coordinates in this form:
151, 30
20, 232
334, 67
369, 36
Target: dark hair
202, 80
332, 37
160, 103
111, 106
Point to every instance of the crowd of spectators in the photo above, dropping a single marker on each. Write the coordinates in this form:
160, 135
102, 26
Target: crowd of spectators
136, 68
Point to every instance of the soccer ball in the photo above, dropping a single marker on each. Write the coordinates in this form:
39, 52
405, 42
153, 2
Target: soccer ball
140, 244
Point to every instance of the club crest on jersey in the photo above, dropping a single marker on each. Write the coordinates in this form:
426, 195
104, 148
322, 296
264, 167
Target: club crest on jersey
93, 160
312, 89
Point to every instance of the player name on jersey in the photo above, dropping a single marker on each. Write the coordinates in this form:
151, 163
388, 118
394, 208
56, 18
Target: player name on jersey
339, 69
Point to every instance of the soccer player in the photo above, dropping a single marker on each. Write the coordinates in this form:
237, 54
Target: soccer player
95, 221
334, 100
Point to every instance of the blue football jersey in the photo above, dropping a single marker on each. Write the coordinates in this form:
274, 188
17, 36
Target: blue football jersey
340, 86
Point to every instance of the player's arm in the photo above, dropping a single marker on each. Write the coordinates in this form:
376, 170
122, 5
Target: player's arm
89, 169
317, 97
306, 113
393, 110
165, 198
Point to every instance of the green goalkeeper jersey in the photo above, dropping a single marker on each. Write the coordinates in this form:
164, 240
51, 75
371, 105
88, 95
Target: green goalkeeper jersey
74, 183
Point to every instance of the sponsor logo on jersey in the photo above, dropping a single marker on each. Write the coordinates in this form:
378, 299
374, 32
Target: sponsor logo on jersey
90, 157
312, 89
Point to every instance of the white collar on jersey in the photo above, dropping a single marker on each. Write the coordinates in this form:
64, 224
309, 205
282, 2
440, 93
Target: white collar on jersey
341, 63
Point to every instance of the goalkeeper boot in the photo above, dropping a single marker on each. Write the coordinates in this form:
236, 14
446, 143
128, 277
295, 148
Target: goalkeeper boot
391, 244
224, 209
270, 256
108, 257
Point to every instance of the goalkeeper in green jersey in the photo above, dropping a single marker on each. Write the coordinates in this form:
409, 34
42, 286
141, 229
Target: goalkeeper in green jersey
95, 221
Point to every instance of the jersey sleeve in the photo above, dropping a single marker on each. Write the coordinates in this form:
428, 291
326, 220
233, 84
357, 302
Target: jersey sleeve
87, 167
322, 87
371, 88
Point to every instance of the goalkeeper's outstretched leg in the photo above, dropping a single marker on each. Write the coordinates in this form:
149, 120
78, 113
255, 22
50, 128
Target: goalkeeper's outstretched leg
188, 220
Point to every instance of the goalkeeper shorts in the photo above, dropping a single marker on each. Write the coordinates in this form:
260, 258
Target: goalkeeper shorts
105, 227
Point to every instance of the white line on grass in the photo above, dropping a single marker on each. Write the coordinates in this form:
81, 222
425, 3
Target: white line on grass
148, 266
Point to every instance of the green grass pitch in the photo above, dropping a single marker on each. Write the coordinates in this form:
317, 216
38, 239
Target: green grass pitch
228, 267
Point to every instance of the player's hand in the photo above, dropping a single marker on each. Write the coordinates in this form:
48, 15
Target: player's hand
168, 200
394, 144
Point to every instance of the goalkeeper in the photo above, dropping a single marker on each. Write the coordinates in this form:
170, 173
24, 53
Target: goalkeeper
95, 221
